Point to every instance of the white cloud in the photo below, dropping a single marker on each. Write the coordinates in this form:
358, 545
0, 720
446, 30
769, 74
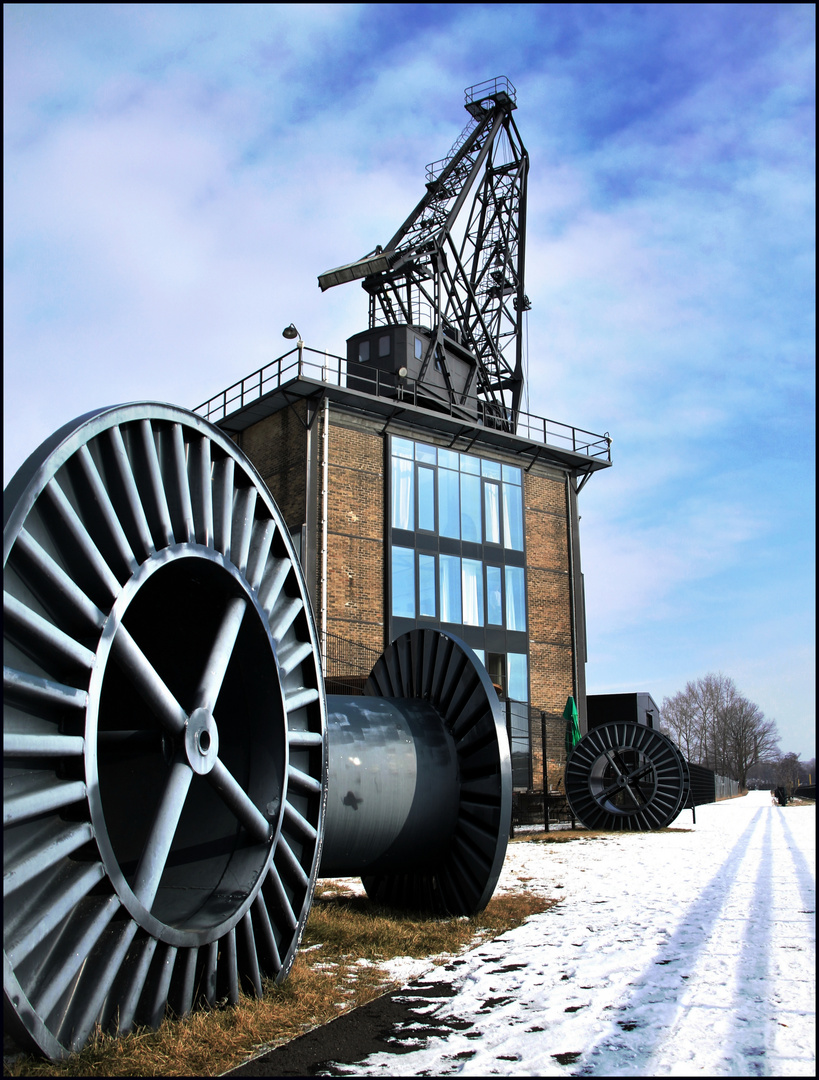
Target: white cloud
177, 177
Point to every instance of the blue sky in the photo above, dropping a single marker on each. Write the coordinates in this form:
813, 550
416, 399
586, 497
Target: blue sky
176, 177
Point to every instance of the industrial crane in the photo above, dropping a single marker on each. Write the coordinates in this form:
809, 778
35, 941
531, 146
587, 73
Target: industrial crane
446, 293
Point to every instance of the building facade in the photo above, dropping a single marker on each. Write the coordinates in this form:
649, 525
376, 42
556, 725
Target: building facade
407, 517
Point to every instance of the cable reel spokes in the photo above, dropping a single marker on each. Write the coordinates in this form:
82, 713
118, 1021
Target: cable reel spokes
624, 776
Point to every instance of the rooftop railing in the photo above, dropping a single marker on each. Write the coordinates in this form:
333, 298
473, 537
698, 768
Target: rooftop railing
331, 370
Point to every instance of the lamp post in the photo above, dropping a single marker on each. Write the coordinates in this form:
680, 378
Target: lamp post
290, 333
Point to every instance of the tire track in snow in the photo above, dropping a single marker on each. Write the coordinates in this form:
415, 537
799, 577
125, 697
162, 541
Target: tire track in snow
805, 876
741, 1020
642, 970
622, 1051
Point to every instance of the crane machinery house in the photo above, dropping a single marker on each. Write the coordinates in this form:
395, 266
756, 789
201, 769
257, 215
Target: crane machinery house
418, 491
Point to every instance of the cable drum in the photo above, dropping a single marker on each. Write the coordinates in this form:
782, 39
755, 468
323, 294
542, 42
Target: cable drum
473, 815
176, 778
164, 729
626, 776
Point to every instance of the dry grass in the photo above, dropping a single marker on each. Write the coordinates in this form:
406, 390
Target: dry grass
562, 836
326, 979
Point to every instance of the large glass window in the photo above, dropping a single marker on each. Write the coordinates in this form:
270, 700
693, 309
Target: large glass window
472, 592
403, 582
426, 585
450, 570
477, 500
515, 599
517, 679
426, 498
470, 508
454, 502
512, 517
403, 494
449, 504
494, 601
491, 512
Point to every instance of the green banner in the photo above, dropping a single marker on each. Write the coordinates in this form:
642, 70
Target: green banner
572, 726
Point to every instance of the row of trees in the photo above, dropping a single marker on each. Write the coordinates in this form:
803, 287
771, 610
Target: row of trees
786, 770
716, 726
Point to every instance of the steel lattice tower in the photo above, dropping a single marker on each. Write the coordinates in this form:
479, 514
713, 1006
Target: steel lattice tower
455, 268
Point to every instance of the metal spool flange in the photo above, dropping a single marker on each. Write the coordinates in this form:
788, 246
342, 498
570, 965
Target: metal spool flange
164, 729
625, 776
439, 669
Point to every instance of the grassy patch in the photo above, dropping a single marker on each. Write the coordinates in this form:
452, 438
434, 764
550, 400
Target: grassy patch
565, 835
326, 979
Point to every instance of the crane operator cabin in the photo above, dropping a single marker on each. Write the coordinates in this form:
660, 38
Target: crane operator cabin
419, 493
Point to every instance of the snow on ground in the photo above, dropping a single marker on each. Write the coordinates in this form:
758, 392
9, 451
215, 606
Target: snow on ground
682, 953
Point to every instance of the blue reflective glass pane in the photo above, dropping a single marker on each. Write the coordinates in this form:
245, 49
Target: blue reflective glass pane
426, 498
402, 447
470, 465
403, 582
403, 511
471, 508
491, 469
515, 599
419, 348
448, 459
425, 453
494, 605
426, 585
472, 592
491, 512
512, 517
449, 504
511, 474
517, 677
384, 345
481, 655
449, 567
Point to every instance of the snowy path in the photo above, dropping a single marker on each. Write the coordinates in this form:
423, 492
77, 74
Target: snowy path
681, 953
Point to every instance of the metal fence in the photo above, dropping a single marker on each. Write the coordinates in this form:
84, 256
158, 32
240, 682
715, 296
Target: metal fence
725, 787
331, 370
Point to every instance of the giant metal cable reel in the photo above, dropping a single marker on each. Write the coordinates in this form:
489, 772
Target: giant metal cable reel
175, 777
624, 776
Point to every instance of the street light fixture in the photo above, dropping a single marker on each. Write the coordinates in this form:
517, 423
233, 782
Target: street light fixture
290, 332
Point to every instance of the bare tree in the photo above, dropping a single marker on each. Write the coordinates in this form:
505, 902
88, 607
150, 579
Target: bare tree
716, 726
693, 718
749, 737
680, 722
788, 770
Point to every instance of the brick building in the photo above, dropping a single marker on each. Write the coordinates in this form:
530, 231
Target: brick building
407, 515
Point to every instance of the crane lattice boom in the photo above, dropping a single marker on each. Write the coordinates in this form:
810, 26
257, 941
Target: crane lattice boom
456, 274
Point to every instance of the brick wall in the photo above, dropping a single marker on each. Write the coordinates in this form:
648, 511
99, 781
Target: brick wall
355, 515
550, 617
277, 446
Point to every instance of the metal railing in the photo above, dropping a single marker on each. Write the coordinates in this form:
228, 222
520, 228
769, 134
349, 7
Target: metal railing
332, 370
491, 88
